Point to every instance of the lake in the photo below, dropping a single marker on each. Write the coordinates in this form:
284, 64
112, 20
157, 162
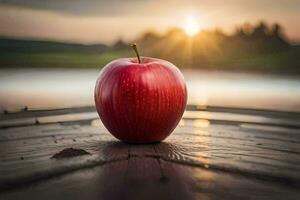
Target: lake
48, 88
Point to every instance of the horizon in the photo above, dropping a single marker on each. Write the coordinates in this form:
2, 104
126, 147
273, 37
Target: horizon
97, 21
160, 34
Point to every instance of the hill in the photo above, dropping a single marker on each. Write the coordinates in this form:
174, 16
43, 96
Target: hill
33, 53
19, 45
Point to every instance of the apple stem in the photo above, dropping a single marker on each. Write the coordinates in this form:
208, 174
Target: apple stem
136, 52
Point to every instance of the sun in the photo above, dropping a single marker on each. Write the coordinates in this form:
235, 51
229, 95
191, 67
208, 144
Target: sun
191, 26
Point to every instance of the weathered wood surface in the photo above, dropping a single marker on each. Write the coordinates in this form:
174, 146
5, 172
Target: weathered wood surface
214, 153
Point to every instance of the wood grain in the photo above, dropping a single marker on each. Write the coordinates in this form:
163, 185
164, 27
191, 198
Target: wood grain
202, 159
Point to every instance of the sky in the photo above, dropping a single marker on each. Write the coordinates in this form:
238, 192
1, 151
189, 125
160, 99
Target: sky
94, 21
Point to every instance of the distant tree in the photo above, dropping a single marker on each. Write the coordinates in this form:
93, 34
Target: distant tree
149, 37
239, 33
247, 28
260, 31
211, 47
243, 31
175, 32
219, 32
120, 44
276, 30
277, 35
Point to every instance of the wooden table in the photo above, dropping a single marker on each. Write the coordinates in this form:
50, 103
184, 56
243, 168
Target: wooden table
214, 153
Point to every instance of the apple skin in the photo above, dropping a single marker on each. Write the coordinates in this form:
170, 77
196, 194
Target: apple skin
140, 102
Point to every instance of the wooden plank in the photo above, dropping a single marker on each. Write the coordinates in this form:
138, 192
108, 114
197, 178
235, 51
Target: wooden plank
85, 116
28, 111
236, 118
246, 155
215, 156
242, 118
139, 178
230, 149
67, 117
193, 143
17, 122
248, 111
38, 112
235, 153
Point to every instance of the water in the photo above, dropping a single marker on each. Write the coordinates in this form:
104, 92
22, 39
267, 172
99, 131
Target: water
44, 88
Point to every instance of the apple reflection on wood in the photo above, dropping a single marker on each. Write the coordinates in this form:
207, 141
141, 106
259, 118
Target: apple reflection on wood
140, 100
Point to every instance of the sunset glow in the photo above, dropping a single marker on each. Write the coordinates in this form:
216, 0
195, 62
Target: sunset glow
191, 26
91, 22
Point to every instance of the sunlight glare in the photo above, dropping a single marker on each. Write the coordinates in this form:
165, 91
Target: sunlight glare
191, 27
201, 123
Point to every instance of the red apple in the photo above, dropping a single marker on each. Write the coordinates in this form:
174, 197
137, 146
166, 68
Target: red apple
140, 100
